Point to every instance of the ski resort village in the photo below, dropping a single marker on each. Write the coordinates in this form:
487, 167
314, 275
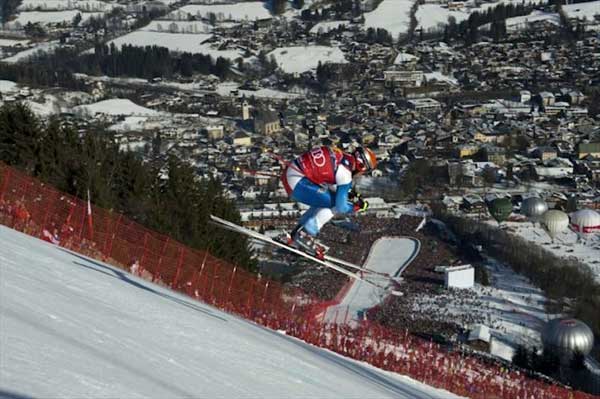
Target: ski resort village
162, 233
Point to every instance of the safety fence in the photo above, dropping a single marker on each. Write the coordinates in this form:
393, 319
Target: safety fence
40, 210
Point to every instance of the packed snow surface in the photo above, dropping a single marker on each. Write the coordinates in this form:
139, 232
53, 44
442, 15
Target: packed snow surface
46, 47
305, 58
230, 12
178, 42
391, 15
389, 255
74, 327
116, 106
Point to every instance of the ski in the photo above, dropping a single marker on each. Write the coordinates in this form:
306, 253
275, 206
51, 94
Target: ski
323, 262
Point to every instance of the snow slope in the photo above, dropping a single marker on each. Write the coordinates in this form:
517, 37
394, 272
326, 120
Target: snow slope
304, 58
391, 15
432, 16
581, 10
236, 12
179, 42
116, 106
74, 327
565, 245
51, 17
388, 255
45, 47
7, 86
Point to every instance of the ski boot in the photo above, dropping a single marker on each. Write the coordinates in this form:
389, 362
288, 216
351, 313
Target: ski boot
303, 241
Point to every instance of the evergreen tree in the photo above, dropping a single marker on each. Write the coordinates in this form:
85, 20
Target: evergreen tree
19, 136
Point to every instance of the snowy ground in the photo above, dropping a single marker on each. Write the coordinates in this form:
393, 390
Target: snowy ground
388, 255
116, 106
12, 42
179, 42
581, 10
517, 23
305, 58
177, 26
565, 245
73, 327
47, 47
392, 15
226, 88
229, 12
58, 5
510, 306
8, 87
50, 17
433, 15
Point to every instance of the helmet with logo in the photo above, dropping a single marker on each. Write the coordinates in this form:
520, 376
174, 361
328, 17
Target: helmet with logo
365, 159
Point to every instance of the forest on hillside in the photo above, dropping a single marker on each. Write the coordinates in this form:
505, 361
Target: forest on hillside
166, 196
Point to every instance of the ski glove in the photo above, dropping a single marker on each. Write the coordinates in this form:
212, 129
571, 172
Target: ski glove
360, 205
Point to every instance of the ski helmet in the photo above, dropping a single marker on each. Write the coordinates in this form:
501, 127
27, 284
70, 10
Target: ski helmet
365, 159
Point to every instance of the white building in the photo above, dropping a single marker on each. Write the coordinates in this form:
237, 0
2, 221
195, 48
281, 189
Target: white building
459, 276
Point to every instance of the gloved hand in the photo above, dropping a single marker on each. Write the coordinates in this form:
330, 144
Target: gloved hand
360, 205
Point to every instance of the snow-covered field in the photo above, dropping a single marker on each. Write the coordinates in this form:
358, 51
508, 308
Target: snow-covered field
116, 106
179, 42
46, 47
177, 26
565, 244
50, 17
389, 255
581, 10
229, 12
305, 58
510, 306
12, 42
517, 23
74, 327
226, 89
59, 5
433, 15
8, 87
391, 15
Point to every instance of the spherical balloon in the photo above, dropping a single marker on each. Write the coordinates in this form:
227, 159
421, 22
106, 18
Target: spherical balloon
533, 208
567, 336
500, 209
585, 221
555, 222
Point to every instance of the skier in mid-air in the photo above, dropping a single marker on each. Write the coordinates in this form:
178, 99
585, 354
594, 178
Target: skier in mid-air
322, 179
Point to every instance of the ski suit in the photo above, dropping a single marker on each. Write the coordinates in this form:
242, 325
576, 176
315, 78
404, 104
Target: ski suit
320, 178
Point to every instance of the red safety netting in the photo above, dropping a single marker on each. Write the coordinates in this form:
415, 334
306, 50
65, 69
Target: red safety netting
39, 210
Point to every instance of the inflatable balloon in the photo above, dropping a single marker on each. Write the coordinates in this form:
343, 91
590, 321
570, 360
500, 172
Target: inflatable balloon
500, 209
555, 222
533, 208
585, 222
